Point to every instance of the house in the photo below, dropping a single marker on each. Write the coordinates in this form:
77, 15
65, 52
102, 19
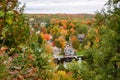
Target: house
43, 24
81, 37
56, 51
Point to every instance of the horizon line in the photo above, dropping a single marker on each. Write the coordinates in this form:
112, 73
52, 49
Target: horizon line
60, 13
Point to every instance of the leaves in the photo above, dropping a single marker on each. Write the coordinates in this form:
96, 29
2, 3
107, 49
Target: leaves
75, 44
28, 56
1, 14
62, 41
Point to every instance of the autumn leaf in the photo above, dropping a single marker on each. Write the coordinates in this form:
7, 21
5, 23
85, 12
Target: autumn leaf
96, 30
30, 57
20, 77
97, 39
2, 49
72, 25
73, 38
62, 41
46, 36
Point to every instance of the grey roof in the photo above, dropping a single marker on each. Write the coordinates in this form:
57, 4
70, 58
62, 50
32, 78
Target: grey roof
81, 36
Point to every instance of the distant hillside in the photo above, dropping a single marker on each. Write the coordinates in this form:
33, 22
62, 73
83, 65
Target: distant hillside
62, 15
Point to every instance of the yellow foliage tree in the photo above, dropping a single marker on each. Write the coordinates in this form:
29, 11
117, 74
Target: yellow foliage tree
62, 75
48, 48
64, 23
62, 41
72, 25
63, 32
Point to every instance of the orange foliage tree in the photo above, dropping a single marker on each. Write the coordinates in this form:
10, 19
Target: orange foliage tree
64, 23
62, 41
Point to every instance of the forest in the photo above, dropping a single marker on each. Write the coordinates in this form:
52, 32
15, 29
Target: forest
32, 45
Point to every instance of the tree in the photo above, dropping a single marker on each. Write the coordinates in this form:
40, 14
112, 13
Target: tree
21, 53
76, 44
5, 6
103, 61
113, 23
14, 29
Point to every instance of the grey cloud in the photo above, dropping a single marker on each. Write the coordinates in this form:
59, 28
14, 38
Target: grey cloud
63, 6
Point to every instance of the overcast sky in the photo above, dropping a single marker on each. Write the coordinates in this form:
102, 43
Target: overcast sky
63, 6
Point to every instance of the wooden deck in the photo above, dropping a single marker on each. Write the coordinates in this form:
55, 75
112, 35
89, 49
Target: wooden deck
61, 58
